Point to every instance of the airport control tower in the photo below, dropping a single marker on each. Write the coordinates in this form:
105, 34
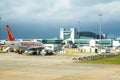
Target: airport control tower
68, 33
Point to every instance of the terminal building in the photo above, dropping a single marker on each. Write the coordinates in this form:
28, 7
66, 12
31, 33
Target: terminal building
95, 43
74, 35
68, 34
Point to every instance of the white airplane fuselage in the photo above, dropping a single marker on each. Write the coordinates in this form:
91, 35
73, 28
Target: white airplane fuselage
24, 45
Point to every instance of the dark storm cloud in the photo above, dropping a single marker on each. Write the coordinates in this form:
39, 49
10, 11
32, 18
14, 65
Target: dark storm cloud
57, 13
59, 10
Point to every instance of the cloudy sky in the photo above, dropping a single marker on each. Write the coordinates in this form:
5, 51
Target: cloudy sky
44, 18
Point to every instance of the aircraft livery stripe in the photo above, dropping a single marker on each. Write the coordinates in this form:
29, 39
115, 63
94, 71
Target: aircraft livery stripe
31, 44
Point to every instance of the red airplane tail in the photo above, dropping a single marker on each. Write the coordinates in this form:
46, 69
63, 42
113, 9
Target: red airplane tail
9, 32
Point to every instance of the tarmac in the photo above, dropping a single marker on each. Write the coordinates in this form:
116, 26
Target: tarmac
56, 67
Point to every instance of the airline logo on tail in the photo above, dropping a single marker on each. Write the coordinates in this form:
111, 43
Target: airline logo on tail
10, 35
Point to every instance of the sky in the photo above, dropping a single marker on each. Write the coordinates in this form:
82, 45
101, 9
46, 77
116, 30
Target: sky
44, 18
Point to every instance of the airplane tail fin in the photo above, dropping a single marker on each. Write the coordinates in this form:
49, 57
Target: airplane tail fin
9, 32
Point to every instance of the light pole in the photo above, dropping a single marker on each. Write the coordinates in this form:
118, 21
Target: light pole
100, 31
0, 28
79, 29
78, 36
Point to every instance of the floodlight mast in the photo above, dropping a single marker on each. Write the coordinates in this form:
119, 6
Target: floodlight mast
100, 31
0, 28
78, 33
79, 30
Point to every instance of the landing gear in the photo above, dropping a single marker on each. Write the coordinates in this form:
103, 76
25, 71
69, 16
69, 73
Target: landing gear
20, 51
36, 52
46, 52
43, 52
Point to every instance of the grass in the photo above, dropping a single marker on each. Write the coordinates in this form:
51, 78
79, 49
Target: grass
104, 60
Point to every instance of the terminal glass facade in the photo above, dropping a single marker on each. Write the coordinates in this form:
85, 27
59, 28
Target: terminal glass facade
67, 34
106, 42
81, 41
52, 41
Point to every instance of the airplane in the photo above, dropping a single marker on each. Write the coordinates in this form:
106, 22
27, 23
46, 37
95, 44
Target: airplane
30, 47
